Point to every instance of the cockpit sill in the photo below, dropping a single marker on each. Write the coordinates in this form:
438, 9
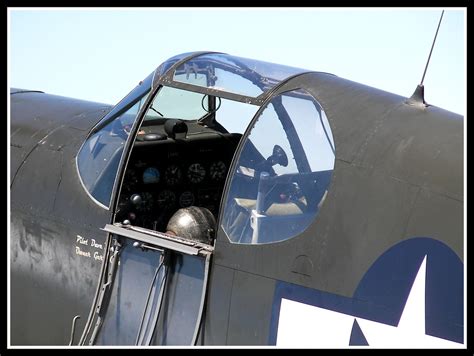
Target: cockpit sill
146, 237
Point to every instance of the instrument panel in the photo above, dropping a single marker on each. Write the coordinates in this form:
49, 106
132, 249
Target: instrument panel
171, 175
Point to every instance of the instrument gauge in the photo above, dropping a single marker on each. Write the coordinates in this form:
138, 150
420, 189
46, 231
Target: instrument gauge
173, 175
196, 173
217, 170
151, 175
186, 199
166, 199
146, 204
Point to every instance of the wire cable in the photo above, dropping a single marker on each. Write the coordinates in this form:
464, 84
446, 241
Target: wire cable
148, 299
432, 46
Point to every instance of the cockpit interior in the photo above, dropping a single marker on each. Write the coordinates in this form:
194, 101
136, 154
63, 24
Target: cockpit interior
165, 174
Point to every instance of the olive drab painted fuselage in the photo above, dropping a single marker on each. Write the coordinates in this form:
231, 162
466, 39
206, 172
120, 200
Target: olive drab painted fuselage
227, 201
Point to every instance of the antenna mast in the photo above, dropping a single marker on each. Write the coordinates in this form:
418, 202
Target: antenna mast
418, 96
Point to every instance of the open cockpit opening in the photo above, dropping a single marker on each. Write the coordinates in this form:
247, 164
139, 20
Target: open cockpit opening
180, 157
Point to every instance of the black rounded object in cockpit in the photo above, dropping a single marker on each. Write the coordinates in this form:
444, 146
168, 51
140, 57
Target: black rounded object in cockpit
176, 129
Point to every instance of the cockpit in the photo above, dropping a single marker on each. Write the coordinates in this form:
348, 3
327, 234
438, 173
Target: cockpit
209, 146
187, 121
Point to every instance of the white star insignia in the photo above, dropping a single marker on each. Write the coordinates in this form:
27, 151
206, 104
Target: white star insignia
303, 325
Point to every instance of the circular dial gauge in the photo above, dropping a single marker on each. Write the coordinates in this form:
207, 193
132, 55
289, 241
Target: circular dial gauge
147, 202
186, 199
217, 170
196, 173
151, 175
166, 199
173, 175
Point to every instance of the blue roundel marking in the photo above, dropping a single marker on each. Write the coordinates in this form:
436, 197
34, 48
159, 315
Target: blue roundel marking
382, 293
388, 281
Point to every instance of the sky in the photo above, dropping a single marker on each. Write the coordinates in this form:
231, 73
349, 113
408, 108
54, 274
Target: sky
101, 54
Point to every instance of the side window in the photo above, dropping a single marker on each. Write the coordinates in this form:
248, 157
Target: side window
99, 156
282, 174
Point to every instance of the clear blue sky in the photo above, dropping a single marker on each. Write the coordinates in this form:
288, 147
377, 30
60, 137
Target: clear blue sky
101, 54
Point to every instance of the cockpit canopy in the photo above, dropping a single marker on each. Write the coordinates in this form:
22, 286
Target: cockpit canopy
209, 73
283, 131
